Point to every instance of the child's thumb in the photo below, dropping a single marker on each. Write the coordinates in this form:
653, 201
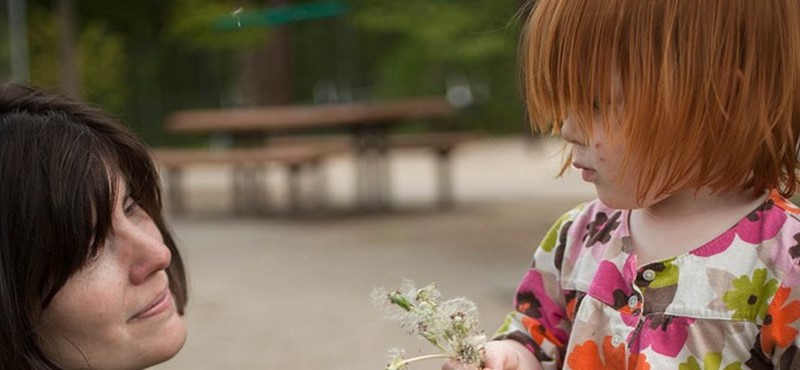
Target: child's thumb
497, 357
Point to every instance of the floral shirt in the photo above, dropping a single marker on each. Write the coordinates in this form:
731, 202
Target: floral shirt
732, 303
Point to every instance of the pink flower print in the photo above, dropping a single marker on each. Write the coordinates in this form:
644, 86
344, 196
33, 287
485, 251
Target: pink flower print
784, 256
599, 230
794, 251
609, 286
665, 334
591, 230
533, 300
762, 224
716, 246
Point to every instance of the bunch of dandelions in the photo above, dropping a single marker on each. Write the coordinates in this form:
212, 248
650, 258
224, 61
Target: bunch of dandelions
451, 326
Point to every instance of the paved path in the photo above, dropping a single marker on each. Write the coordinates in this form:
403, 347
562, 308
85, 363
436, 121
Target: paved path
295, 294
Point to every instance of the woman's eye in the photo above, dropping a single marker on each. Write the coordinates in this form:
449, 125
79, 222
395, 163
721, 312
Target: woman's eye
94, 252
94, 255
130, 208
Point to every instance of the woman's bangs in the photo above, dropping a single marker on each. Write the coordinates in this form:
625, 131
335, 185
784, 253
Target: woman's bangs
103, 192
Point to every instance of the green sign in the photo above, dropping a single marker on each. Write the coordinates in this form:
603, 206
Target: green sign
282, 15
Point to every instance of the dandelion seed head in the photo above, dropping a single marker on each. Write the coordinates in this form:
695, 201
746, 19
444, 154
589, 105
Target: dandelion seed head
427, 294
451, 326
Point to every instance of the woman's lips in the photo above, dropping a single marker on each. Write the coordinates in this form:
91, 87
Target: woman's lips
162, 302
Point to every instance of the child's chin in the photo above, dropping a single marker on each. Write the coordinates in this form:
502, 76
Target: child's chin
618, 202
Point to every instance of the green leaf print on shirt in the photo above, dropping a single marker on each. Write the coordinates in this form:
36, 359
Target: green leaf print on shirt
506, 324
749, 297
712, 361
667, 276
551, 238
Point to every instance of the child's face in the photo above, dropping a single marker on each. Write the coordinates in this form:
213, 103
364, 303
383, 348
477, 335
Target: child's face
117, 311
599, 157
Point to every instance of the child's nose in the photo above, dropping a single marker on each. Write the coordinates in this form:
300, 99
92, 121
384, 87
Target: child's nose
150, 254
569, 132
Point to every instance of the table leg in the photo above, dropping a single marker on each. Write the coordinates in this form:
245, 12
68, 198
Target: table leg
244, 189
445, 178
175, 194
294, 187
237, 190
383, 174
372, 170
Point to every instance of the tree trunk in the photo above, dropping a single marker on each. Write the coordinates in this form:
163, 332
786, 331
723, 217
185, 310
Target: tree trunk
67, 54
266, 73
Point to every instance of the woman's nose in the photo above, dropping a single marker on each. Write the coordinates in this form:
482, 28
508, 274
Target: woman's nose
150, 254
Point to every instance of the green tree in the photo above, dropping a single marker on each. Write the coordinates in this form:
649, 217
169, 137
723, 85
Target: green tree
414, 46
101, 59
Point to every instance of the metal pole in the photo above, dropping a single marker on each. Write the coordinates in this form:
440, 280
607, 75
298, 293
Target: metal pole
18, 34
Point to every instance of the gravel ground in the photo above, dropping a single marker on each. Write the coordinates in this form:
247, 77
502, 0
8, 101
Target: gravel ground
280, 293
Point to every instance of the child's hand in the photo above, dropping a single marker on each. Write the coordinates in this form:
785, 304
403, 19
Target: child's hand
502, 355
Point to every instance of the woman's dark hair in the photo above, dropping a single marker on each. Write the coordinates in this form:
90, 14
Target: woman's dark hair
59, 159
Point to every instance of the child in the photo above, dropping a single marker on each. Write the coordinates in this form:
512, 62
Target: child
90, 277
685, 116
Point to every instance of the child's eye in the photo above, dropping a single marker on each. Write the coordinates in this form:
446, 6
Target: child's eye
596, 105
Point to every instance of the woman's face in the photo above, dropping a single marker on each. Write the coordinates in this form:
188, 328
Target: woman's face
117, 312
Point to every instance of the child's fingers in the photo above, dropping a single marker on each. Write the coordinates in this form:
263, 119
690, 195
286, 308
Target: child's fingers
450, 365
498, 356
455, 365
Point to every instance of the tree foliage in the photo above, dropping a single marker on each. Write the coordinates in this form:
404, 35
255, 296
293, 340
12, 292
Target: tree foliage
417, 46
101, 59
191, 24
142, 59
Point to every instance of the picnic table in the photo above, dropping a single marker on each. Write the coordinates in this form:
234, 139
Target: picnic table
367, 123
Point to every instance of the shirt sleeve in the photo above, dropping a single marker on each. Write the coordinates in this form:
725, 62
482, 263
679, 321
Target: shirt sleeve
542, 317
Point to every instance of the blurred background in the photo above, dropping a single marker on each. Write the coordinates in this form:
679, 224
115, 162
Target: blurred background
143, 59
284, 290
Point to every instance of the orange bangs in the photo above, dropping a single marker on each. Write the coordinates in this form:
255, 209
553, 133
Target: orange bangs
711, 89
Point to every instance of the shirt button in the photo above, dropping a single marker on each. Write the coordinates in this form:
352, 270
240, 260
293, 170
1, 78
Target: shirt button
649, 275
633, 301
616, 341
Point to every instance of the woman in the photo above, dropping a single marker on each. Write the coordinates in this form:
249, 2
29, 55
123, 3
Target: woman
90, 277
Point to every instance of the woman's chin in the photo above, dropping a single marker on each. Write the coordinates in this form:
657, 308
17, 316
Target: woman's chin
167, 345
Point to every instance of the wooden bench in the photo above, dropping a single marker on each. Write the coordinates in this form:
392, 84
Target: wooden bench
443, 144
246, 162
367, 122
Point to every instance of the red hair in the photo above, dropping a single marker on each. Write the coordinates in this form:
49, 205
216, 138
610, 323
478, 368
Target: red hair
711, 89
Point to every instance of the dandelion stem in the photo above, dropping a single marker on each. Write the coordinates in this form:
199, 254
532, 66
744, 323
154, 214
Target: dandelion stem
418, 358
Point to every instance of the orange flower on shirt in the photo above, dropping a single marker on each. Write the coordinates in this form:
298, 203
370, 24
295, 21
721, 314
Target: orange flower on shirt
777, 328
539, 332
571, 307
589, 356
783, 203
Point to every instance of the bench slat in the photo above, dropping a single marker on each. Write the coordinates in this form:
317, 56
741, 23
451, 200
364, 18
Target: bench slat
246, 195
285, 154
